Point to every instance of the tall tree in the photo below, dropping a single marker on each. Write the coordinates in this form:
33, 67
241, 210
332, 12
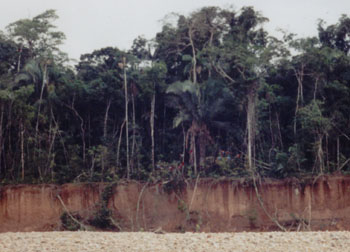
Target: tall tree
37, 34
200, 106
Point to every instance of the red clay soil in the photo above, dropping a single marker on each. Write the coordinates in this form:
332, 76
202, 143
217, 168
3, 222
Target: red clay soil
208, 205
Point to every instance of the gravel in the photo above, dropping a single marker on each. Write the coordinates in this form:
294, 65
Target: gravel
146, 241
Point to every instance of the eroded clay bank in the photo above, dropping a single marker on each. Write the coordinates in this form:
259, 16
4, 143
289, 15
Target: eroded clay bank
207, 205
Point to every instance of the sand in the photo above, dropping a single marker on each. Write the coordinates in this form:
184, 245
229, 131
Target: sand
145, 241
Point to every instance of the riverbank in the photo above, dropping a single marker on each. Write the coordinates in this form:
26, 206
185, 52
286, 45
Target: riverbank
204, 205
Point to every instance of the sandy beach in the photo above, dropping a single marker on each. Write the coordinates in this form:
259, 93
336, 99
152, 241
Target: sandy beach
146, 241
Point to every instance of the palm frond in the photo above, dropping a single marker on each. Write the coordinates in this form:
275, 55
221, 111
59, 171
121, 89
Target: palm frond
178, 88
181, 117
22, 77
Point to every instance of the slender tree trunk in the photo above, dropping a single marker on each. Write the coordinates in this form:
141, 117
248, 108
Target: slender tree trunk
119, 143
22, 148
46, 167
132, 163
105, 121
251, 125
152, 127
21, 124
61, 138
8, 153
327, 153
204, 137
92, 167
50, 156
202, 147
272, 134
1, 133
126, 121
194, 76
320, 154
89, 130
279, 130
19, 59
192, 132
338, 155
37, 141
163, 130
316, 87
82, 129
194, 60
184, 144
194, 154
300, 96
40, 100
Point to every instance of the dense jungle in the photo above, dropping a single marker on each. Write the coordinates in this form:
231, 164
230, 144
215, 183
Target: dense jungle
211, 95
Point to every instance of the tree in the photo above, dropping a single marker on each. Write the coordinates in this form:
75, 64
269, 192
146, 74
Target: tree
152, 85
214, 77
103, 78
37, 34
336, 36
314, 121
199, 106
242, 61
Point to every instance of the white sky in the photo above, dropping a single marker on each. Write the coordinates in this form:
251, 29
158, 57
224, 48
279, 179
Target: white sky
93, 24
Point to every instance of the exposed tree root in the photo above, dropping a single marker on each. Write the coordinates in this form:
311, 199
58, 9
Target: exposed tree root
194, 192
82, 226
261, 202
138, 204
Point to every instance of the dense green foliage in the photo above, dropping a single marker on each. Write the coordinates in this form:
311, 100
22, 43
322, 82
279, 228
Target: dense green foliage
213, 94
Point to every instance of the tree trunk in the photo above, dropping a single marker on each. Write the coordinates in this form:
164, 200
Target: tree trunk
1, 133
194, 152
316, 87
279, 130
50, 157
126, 121
192, 132
251, 125
119, 143
163, 130
19, 59
37, 142
184, 144
8, 154
22, 148
81, 128
152, 128
327, 154
194, 60
319, 161
132, 163
105, 121
65, 152
338, 153
204, 137
300, 96
89, 130
40, 100
202, 147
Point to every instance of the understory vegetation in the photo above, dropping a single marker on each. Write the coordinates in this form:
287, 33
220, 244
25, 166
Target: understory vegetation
213, 94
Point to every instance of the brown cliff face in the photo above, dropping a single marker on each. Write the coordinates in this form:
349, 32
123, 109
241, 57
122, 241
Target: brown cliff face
209, 205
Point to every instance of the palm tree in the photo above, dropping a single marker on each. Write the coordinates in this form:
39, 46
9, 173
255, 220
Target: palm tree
200, 106
36, 72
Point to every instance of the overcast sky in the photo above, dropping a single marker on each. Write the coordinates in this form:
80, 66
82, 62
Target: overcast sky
94, 24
